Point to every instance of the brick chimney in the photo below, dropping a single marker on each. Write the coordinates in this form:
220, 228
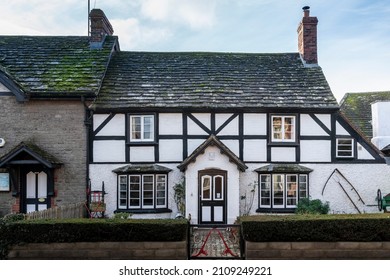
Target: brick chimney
307, 37
100, 28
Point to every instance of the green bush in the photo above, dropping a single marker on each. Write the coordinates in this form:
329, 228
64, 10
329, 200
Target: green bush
315, 206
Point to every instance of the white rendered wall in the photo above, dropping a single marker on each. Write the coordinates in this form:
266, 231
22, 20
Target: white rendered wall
381, 124
115, 127
325, 119
194, 129
283, 154
255, 124
3, 88
171, 150
170, 124
315, 150
231, 128
109, 151
142, 154
362, 153
203, 162
340, 130
255, 150
233, 146
192, 144
310, 128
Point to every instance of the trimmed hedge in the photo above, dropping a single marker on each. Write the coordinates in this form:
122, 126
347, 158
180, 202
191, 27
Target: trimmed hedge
90, 230
319, 228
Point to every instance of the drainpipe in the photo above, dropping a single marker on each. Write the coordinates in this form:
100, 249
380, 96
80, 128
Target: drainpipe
87, 123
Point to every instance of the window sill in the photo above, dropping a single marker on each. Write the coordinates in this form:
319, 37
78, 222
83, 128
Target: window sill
144, 211
283, 144
275, 210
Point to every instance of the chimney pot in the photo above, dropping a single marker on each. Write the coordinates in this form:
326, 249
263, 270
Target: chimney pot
306, 11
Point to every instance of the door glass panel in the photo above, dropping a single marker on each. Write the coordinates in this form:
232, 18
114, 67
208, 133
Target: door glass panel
30, 186
218, 188
278, 184
206, 187
42, 185
42, 207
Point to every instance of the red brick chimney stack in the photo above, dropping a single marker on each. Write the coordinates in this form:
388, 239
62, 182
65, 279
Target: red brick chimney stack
100, 28
307, 37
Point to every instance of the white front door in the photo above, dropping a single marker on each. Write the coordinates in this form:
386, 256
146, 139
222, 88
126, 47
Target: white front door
36, 191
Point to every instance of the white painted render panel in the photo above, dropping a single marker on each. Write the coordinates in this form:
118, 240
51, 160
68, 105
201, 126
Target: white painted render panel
315, 150
255, 150
109, 151
194, 129
255, 124
192, 144
3, 88
283, 154
233, 145
170, 124
325, 119
98, 119
231, 128
362, 153
115, 127
310, 128
171, 150
340, 130
142, 154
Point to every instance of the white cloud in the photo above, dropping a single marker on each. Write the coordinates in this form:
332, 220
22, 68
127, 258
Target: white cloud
133, 35
197, 14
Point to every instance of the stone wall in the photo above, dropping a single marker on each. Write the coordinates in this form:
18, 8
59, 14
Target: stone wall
100, 251
317, 250
56, 127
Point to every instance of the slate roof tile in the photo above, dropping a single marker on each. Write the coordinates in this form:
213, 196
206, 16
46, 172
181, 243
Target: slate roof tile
212, 80
54, 66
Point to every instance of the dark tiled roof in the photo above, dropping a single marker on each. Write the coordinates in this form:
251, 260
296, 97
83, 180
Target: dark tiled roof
32, 151
284, 168
45, 66
212, 141
213, 80
141, 168
357, 108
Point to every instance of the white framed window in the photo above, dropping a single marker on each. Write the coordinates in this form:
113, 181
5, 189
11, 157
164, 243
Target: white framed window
283, 128
142, 191
206, 187
344, 148
142, 128
282, 191
218, 188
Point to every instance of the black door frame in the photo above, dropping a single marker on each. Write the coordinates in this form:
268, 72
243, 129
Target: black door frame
212, 202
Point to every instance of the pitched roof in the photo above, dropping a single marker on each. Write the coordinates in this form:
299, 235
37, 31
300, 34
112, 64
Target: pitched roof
357, 108
212, 141
212, 80
54, 66
26, 151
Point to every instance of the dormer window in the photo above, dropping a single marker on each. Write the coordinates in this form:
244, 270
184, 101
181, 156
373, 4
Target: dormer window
283, 128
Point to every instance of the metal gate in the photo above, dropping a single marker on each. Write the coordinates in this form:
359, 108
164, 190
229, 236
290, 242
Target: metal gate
215, 242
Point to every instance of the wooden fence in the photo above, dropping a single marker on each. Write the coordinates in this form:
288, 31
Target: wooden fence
69, 211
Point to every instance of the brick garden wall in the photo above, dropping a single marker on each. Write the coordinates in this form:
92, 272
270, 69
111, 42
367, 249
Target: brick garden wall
58, 128
317, 250
100, 251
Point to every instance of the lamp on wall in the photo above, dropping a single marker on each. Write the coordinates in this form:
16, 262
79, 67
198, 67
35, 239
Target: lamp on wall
2, 142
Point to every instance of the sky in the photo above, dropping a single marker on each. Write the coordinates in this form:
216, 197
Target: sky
353, 35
